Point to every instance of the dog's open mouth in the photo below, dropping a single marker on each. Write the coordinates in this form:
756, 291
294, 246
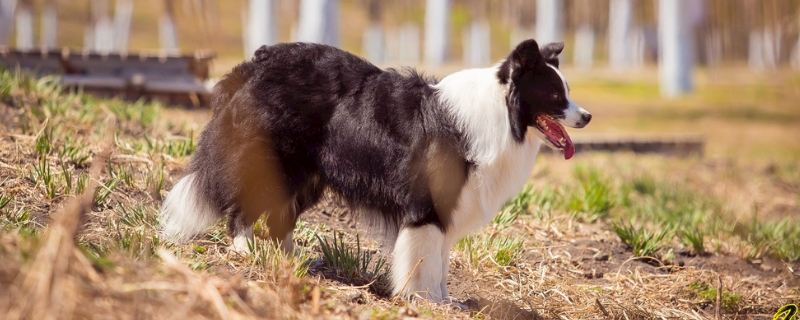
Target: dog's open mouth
556, 135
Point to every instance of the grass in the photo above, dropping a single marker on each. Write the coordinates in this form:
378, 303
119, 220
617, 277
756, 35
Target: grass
532, 257
354, 263
730, 301
643, 241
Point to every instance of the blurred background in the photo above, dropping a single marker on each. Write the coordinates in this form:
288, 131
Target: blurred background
724, 70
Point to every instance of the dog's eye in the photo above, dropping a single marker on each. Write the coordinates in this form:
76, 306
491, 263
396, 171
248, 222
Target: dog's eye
556, 96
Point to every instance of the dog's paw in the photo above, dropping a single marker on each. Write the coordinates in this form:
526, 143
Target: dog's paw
452, 303
241, 245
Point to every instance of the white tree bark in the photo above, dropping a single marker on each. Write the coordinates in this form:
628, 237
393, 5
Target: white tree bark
24, 27
437, 17
373, 43
48, 38
583, 54
477, 44
620, 20
409, 43
167, 30
261, 25
102, 31
549, 21
676, 47
123, 12
7, 9
319, 22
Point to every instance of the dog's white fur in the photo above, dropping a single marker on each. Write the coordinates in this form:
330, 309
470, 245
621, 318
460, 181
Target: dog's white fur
502, 167
185, 213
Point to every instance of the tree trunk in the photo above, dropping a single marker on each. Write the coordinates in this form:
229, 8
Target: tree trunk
319, 22
620, 19
583, 54
437, 13
549, 21
122, 24
49, 33
167, 30
676, 47
7, 9
261, 25
373, 40
477, 38
24, 27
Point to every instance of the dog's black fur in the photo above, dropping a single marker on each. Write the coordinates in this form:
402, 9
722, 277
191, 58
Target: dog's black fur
335, 121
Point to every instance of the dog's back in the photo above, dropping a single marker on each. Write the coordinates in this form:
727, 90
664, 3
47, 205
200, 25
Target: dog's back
299, 118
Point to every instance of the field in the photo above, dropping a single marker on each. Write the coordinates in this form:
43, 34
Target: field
604, 235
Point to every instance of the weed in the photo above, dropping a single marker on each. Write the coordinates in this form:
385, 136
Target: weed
643, 242
592, 199
41, 174
72, 152
80, 186
500, 250
44, 141
730, 301
353, 263
104, 190
644, 185
268, 254
694, 239
514, 207
67, 174
5, 199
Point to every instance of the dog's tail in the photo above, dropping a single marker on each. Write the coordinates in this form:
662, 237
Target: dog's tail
186, 213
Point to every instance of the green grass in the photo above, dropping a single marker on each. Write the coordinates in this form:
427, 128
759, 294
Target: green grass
491, 249
351, 262
730, 301
643, 241
516, 206
592, 199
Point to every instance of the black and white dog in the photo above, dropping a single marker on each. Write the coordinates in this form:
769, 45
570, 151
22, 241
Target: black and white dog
428, 161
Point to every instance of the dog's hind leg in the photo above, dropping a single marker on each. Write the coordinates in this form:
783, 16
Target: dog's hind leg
417, 262
261, 191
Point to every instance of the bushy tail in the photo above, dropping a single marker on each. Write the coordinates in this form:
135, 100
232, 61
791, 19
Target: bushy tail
185, 212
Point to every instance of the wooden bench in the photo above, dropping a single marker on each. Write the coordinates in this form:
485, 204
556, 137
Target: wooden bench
669, 145
174, 79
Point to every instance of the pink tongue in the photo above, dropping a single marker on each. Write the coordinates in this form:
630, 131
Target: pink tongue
555, 132
569, 150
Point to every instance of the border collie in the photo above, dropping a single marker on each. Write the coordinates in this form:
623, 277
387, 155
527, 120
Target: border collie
429, 161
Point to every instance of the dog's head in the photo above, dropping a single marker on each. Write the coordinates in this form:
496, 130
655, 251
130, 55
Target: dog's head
538, 95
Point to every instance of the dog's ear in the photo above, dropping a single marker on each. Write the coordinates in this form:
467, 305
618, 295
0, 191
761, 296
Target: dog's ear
525, 56
516, 115
551, 51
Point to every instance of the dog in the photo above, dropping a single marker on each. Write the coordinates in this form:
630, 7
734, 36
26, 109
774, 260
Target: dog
426, 161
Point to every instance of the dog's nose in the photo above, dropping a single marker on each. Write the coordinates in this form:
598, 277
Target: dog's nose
586, 118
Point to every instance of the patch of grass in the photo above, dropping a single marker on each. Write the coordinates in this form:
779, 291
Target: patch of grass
352, 262
645, 243
514, 207
695, 240
771, 236
270, 256
5, 199
72, 152
41, 175
592, 199
500, 250
104, 190
730, 301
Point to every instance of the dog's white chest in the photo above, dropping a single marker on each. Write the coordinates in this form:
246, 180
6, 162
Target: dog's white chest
489, 187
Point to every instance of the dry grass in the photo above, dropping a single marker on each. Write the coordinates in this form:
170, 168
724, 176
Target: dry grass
70, 249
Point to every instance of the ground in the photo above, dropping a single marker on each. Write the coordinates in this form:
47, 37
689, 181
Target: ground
604, 235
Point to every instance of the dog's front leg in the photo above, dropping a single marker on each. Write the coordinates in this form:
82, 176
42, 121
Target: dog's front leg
417, 264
